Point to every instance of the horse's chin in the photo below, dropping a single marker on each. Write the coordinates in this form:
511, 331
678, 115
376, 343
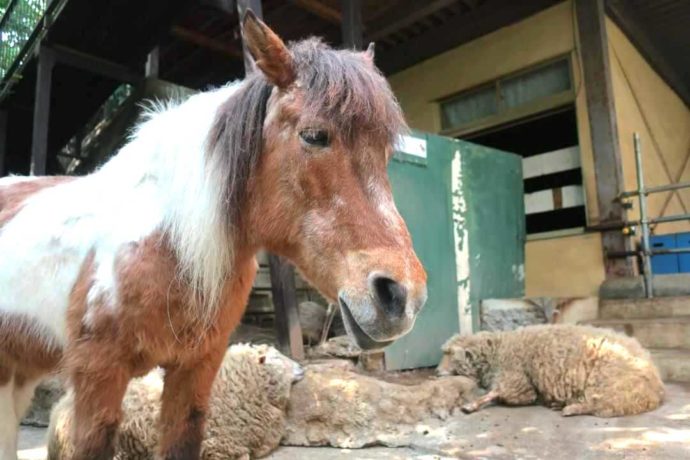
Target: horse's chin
355, 331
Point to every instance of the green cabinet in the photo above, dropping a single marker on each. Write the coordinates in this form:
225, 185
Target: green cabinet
463, 205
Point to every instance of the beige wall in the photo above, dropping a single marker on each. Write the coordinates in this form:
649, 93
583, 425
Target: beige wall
647, 105
564, 267
548, 34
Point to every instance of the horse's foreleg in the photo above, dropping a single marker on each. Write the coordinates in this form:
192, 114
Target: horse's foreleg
99, 390
8, 418
23, 394
184, 405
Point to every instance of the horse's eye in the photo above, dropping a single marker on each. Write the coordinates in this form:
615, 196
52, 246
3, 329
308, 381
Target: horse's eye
315, 137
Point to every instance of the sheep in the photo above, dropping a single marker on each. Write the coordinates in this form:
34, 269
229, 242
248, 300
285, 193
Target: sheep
246, 410
578, 369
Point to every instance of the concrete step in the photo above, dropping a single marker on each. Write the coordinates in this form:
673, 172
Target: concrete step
673, 364
671, 332
658, 307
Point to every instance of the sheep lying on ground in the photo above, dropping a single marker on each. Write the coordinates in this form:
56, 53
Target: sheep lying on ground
246, 417
579, 369
336, 406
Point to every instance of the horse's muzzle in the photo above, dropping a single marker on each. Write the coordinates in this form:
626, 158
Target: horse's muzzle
384, 313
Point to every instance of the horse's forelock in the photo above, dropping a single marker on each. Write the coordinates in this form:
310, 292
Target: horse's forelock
347, 90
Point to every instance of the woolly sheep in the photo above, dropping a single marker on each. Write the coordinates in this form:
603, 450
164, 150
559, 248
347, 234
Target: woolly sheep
579, 369
246, 415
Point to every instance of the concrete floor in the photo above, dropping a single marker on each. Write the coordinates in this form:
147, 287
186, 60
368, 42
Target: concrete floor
508, 433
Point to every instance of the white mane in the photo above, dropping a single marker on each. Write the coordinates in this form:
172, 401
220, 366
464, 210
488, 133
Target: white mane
166, 156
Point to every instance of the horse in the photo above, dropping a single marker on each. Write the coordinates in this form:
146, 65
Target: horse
149, 260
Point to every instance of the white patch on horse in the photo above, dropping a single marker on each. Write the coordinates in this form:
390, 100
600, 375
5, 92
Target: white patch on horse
159, 181
319, 223
8, 422
11, 180
385, 206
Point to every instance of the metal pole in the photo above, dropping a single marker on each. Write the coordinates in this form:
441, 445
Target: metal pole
644, 222
660, 188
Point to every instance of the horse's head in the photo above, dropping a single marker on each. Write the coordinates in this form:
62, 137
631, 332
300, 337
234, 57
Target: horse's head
320, 194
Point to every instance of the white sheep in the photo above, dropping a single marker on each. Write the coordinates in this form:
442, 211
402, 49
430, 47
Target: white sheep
579, 369
246, 411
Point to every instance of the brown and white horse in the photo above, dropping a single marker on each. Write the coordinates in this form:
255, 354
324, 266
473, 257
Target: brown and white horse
149, 261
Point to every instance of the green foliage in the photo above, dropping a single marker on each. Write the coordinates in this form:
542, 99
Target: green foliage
22, 19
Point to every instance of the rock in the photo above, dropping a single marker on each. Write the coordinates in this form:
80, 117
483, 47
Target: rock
335, 406
46, 395
509, 314
337, 347
312, 317
248, 333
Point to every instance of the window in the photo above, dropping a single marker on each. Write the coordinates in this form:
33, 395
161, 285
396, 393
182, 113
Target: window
509, 97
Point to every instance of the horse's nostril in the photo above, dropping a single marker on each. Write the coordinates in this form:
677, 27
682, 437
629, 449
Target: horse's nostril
391, 295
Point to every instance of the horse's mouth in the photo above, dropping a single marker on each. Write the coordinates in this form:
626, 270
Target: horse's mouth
361, 338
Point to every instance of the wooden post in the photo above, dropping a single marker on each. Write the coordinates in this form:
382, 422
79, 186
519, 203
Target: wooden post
3, 141
352, 29
39, 140
242, 6
283, 288
288, 328
604, 131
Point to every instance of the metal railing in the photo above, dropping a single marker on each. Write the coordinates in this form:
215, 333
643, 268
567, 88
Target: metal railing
16, 28
23, 24
646, 252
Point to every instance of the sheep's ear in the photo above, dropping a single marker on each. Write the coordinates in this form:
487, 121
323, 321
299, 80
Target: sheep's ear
271, 55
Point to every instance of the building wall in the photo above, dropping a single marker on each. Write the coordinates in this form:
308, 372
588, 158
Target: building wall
647, 105
571, 266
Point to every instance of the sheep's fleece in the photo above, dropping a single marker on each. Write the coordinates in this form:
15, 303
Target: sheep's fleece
579, 369
246, 416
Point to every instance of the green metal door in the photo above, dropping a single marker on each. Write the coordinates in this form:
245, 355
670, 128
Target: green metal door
463, 206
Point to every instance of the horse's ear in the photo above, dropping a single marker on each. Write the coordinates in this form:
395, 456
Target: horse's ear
271, 55
369, 53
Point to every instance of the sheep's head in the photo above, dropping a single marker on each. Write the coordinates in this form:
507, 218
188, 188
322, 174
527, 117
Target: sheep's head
282, 372
468, 356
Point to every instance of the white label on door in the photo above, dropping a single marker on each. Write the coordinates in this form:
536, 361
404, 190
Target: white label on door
412, 146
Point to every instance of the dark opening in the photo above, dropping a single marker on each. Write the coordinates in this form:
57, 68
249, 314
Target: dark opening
546, 132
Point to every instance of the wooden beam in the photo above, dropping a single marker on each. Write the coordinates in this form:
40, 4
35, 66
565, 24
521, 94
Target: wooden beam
288, 328
486, 18
93, 64
352, 28
591, 25
226, 6
634, 28
41, 121
242, 7
321, 10
405, 16
206, 42
3, 141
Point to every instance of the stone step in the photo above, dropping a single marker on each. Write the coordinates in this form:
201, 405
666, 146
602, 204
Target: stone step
658, 307
673, 364
671, 332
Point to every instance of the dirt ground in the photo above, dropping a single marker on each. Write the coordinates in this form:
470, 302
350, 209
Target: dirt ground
508, 433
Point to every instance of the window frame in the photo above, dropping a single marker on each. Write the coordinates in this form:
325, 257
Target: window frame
506, 115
